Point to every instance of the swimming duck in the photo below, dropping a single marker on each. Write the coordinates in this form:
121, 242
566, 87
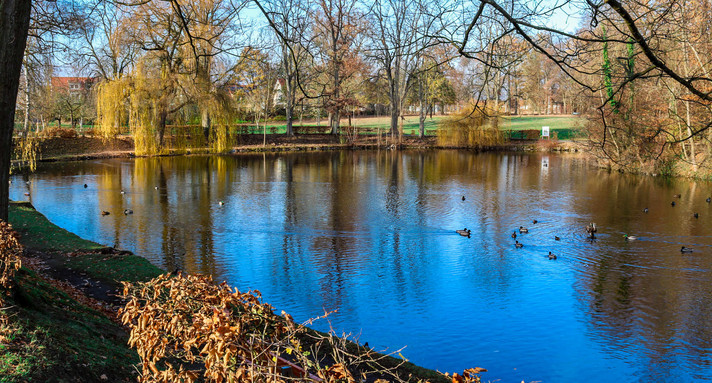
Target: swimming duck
685, 250
708, 200
534, 222
464, 232
463, 198
221, 203
523, 229
155, 187
514, 234
123, 192
645, 210
557, 238
552, 256
128, 211
629, 237
518, 245
672, 203
104, 212
591, 228
696, 215
85, 186
678, 196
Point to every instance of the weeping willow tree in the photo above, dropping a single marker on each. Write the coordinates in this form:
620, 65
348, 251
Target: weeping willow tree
112, 106
475, 127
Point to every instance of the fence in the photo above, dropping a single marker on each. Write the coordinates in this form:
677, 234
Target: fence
535, 134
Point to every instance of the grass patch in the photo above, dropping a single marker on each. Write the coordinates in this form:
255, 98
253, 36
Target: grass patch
536, 122
50, 337
37, 232
115, 268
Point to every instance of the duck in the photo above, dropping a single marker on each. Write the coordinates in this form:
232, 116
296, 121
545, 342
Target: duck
685, 250
523, 229
645, 210
123, 192
518, 245
514, 234
696, 215
591, 228
464, 232
463, 198
85, 186
557, 238
221, 203
155, 187
552, 256
629, 237
708, 200
128, 211
534, 222
672, 203
104, 212
678, 196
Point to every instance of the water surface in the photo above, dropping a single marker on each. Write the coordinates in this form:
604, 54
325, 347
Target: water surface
372, 235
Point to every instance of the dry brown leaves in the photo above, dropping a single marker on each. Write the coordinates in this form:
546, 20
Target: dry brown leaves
181, 322
10, 252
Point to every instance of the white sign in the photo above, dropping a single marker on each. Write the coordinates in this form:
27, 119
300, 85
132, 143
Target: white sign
545, 131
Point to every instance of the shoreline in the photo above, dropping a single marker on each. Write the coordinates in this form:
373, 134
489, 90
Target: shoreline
90, 148
78, 275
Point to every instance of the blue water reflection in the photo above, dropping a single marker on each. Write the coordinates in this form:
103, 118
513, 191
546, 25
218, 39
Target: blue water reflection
372, 235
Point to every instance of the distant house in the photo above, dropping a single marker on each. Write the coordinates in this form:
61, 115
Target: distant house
74, 85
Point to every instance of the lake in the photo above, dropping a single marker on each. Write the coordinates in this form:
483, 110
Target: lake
372, 235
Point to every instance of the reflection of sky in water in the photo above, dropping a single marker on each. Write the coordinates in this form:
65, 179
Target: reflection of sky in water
372, 236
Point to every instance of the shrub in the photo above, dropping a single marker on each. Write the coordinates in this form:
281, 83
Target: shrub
186, 326
473, 128
60, 132
10, 251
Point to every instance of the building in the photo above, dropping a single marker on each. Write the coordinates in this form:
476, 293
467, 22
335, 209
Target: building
74, 85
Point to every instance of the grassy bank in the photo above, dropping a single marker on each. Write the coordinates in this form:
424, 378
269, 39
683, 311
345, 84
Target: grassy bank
61, 323
52, 332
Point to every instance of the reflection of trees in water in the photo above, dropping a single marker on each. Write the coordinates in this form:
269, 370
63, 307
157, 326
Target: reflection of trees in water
646, 293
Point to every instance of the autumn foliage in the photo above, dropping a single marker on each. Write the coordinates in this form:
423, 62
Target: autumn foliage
186, 328
10, 251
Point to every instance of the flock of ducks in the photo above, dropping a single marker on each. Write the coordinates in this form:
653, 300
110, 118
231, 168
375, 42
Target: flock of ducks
591, 231
129, 211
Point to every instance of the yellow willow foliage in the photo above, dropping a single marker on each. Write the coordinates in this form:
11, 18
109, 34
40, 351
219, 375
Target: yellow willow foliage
222, 114
26, 149
143, 118
112, 103
472, 128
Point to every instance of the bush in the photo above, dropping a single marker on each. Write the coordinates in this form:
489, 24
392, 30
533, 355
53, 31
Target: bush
59, 132
10, 251
473, 128
186, 326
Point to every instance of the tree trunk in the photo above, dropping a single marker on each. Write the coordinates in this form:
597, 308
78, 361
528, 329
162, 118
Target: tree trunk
26, 123
14, 24
205, 124
421, 121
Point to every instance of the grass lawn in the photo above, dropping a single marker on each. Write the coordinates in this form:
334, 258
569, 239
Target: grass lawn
536, 122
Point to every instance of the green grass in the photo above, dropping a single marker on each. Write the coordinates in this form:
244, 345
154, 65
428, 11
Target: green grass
115, 268
38, 232
536, 122
50, 337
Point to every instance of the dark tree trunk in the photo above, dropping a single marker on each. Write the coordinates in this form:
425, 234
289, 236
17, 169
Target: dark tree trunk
14, 23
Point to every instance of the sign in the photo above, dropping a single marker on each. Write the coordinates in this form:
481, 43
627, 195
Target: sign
545, 131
